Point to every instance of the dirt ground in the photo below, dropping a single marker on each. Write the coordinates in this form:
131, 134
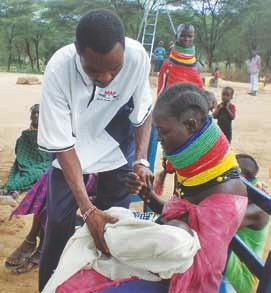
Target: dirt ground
251, 134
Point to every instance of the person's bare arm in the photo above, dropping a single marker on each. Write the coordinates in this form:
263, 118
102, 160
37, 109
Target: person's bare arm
259, 63
255, 218
216, 110
96, 221
177, 223
134, 184
232, 114
155, 203
142, 138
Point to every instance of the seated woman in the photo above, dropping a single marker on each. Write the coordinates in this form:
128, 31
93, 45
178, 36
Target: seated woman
209, 197
30, 163
253, 231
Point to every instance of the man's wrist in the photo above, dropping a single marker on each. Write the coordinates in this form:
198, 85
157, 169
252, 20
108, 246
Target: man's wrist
88, 212
85, 207
141, 162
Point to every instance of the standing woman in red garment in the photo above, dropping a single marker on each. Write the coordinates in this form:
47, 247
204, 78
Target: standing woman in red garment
182, 63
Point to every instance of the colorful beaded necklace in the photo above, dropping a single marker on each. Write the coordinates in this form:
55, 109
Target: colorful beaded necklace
183, 56
205, 158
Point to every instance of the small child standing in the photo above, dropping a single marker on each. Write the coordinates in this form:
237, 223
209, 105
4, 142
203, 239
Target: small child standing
225, 112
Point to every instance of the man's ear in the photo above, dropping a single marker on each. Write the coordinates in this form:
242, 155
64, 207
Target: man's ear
191, 125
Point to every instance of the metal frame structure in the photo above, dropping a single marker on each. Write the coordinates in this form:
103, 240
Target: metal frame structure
148, 26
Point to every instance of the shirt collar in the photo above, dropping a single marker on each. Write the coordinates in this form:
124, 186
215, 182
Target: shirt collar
81, 71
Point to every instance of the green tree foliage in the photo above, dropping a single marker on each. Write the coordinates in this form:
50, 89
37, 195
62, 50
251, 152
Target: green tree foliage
32, 30
12, 17
213, 19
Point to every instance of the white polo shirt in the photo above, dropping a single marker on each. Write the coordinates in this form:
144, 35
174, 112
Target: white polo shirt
73, 114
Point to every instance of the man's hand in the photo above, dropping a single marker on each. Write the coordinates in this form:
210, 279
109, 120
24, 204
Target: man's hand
134, 183
136, 186
145, 175
96, 225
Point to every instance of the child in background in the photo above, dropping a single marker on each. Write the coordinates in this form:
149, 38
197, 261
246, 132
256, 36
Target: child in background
216, 76
253, 231
225, 112
159, 56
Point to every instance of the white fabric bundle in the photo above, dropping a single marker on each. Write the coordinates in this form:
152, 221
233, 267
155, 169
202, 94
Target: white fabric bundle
139, 248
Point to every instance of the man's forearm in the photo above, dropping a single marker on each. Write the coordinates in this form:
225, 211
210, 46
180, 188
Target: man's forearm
72, 171
142, 137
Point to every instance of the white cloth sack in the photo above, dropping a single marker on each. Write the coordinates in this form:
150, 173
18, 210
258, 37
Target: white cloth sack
139, 248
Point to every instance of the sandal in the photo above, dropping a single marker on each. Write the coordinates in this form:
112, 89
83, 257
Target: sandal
14, 194
31, 263
20, 256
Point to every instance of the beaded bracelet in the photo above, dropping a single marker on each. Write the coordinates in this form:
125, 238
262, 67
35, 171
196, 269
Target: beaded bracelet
89, 212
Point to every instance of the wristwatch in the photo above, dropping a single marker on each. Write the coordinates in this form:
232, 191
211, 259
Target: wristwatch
142, 162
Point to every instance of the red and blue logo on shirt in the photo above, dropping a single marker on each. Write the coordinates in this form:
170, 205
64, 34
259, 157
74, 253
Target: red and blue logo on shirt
108, 95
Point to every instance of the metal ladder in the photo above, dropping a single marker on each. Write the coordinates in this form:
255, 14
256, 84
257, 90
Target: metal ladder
146, 34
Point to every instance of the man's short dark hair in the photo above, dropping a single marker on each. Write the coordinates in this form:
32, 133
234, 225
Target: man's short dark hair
100, 30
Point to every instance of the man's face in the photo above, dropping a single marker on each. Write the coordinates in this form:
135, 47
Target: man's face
185, 38
253, 52
102, 68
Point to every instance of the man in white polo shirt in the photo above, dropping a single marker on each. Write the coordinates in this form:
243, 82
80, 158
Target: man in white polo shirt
95, 118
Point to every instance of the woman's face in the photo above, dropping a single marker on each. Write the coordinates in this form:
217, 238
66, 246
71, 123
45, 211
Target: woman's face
186, 38
172, 132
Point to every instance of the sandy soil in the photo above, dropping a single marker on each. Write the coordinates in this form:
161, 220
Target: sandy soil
251, 134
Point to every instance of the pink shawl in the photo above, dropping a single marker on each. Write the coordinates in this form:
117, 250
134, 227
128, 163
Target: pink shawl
215, 219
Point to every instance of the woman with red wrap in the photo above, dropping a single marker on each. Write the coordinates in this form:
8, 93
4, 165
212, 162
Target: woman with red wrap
181, 65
